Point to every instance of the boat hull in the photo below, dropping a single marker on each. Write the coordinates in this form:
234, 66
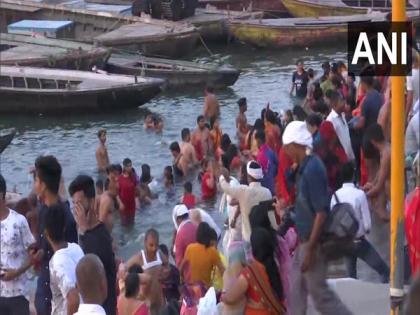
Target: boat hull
59, 103
292, 36
305, 9
275, 7
218, 78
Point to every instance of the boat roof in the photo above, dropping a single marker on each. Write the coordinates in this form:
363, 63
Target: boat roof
17, 7
44, 25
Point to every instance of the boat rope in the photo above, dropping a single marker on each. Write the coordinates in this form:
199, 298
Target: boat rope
205, 46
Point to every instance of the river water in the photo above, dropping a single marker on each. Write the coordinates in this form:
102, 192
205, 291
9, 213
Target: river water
266, 77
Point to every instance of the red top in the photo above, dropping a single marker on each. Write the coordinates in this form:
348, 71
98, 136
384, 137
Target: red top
127, 192
207, 191
186, 235
189, 200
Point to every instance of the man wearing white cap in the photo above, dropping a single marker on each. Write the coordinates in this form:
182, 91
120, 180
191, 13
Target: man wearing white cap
248, 196
186, 232
311, 208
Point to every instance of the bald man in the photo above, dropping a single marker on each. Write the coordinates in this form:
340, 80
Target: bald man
92, 285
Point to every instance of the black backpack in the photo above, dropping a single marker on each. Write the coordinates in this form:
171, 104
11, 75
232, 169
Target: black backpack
340, 230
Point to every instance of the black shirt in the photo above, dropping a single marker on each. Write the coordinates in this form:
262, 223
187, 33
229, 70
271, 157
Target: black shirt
98, 241
301, 83
371, 107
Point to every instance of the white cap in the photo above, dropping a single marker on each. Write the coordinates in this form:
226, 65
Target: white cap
255, 173
297, 132
180, 210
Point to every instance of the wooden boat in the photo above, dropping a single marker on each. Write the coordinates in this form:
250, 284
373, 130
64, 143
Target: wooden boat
6, 139
315, 8
21, 50
151, 40
156, 37
176, 72
291, 32
28, 90
270, 7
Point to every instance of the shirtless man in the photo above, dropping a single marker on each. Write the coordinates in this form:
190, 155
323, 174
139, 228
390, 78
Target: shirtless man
242, 126
188, 159
200, 139
211, 104
102, 158
377, 188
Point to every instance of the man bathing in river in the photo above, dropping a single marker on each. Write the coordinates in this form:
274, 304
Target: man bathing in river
242, 126
188, 159
200, 139
211, 104
102, 158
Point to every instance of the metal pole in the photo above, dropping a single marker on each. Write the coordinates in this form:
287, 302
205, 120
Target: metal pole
397, 179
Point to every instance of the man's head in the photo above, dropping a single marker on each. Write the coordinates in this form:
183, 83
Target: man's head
82, 191
186, 135
181, 213
151, 241
47, 175
313, 121
127, 166
254, 172
175, 149
347, 172
102, 135
242, 105
2, 191
188, 187
326, 67
296, 140
299, 65
351, 78
201, 122
311, 73
55, 224
366, 82
337, 102
208, 90
91, 280
375, 135
260, 137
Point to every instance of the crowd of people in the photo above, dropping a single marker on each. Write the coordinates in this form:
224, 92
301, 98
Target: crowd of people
277, 186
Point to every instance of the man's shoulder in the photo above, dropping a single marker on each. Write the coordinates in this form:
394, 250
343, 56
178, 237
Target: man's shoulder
314, 165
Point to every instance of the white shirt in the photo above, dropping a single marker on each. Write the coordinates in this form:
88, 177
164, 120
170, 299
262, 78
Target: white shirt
63, 276
342, 130
15, 238
357, 198
90, 309
248, 197
412, 136
413, 83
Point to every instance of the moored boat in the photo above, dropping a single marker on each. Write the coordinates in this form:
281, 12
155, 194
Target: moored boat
299, 32
271, 7
315, 8
176, 72
21, 50
30, 90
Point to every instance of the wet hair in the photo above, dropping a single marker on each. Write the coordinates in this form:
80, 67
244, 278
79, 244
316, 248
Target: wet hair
136, 268
145, 174
229, 155
299, 61
311, 73
188, 187
334, 68
101, 132
164, 249
126, 162
55, 222
368, 80
270, 116
205, 234
258, 125
212, 121
201, 117
258, 217
210, 89
2, 187
242, 101
225, 142
152, 233
351, 75
375, 133
170, 175
334, 96
99, 184
132, 285
48, 171
106, 184
185, 132
83, 183
347, 172
336, 81
113, 168
369, 149
299, 113
314, 120
174, 146
263, 248
260, 135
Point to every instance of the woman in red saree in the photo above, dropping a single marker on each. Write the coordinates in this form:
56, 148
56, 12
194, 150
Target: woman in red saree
412, 225
259, 282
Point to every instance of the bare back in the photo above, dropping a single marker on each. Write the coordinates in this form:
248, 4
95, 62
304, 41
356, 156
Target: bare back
211, 106
102, 158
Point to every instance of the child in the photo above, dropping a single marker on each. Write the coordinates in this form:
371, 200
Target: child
208, 182
188, 199
168, 177
151, 262
171, 279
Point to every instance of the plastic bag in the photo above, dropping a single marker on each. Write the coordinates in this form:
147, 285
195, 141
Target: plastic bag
208, 303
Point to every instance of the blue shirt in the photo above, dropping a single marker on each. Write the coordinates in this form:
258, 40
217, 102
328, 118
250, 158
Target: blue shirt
43, 290
312, 195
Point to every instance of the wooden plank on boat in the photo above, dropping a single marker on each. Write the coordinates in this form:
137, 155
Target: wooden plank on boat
16, 7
